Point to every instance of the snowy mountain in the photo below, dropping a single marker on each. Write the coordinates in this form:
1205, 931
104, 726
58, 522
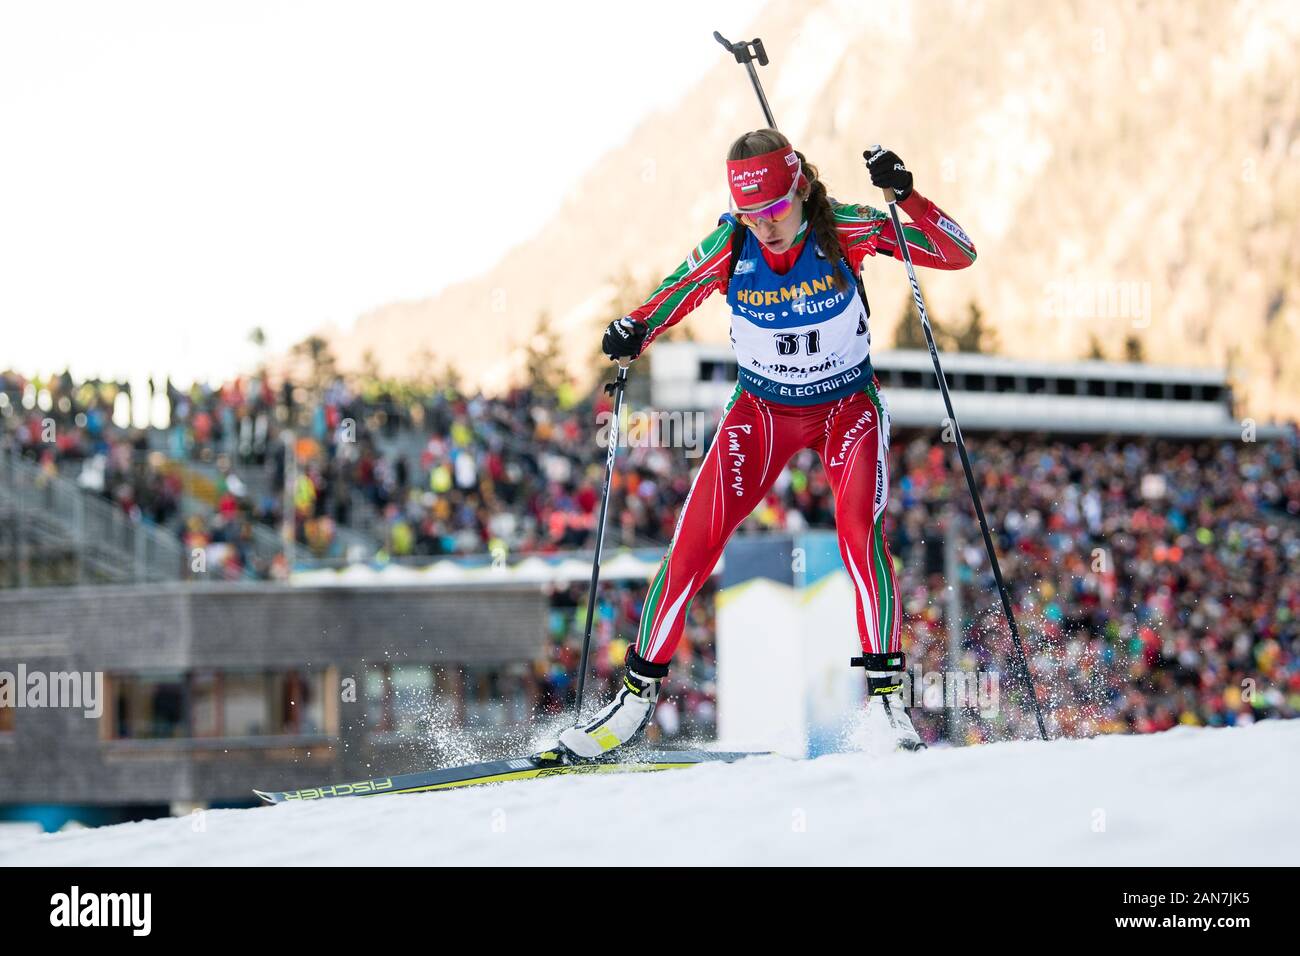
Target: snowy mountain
1188, 796
1125, 168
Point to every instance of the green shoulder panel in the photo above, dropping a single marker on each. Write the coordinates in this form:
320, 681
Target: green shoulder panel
712, 244
697, 270
857, 223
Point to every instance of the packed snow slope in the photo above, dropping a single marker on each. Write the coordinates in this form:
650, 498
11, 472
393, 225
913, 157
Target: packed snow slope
1189, 796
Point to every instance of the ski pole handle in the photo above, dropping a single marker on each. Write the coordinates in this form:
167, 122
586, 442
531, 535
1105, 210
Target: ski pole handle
744, 51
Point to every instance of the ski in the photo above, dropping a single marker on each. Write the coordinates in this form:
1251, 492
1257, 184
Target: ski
547, 764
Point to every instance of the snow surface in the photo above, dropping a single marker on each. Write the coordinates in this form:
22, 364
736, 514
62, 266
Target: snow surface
1188, 796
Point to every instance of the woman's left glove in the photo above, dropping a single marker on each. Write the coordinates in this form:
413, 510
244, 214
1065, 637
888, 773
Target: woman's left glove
888, 171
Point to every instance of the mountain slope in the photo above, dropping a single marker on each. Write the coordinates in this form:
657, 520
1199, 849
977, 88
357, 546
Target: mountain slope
1125, 168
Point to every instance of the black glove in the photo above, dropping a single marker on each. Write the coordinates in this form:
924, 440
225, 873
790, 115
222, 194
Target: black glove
888, 171
624, 338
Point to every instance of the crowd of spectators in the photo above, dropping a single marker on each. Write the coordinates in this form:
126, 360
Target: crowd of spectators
1153, 580
688, 707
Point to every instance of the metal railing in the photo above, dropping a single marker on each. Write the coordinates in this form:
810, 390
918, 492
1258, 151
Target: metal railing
117, 547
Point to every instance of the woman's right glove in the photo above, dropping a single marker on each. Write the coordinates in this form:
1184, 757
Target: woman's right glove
624, 338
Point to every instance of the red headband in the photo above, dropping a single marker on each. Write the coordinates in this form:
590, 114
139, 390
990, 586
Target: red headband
764, 178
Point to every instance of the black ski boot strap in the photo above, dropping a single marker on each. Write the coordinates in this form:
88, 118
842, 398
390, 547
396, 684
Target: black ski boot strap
641, 677
643, 668
890, 669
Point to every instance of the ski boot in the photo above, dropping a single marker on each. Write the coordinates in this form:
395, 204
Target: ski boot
885, 682
624, 717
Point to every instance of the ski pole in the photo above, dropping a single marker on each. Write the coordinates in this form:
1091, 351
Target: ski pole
745, 54
616, 389
965, 458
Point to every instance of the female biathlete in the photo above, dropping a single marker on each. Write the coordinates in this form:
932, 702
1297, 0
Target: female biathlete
787, 257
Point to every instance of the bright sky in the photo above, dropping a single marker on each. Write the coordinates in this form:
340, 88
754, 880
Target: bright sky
174, 174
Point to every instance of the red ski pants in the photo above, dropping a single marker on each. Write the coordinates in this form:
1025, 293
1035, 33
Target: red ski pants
754, 441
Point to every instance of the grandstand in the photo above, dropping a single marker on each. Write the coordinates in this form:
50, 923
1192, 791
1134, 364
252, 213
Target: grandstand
1147, 536
991, 393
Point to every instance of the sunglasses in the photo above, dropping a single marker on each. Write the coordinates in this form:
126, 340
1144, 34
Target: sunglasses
774, 211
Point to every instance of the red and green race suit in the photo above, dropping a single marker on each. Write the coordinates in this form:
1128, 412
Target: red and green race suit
802, 345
